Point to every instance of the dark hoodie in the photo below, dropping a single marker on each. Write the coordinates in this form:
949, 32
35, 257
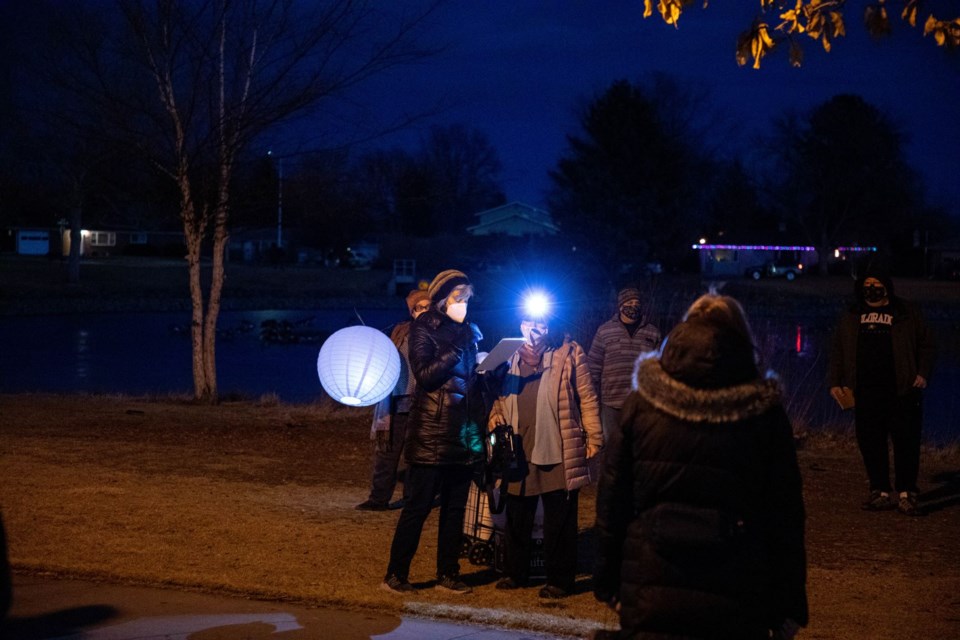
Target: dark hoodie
911, 351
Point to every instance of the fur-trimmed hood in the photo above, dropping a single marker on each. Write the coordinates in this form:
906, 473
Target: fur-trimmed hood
723, 405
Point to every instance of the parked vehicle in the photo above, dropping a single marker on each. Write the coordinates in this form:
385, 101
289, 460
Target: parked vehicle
787, 270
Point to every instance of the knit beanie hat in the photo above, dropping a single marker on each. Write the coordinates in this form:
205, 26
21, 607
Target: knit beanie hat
626, 294
415, 296
708, 353
444, 283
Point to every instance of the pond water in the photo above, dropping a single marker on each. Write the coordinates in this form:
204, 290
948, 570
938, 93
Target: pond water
275, 352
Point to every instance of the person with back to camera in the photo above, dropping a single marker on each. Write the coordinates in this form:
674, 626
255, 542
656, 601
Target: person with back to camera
614, 350
548, 397
444, 432
880, 361
700, 515
390, 416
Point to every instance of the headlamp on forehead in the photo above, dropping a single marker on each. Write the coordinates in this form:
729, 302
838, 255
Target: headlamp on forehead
536, 305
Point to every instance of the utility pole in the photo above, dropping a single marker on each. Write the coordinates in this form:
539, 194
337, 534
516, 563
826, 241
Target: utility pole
279, 200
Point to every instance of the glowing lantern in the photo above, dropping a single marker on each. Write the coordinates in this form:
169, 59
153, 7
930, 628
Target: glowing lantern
358, 366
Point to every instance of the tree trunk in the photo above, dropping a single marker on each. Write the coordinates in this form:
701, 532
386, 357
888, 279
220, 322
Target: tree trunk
220, 238
200, 386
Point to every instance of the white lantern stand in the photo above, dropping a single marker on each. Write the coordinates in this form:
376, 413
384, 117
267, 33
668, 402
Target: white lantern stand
358, 366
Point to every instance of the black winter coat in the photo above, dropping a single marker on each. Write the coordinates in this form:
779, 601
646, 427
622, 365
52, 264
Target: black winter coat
700, 516
448, 417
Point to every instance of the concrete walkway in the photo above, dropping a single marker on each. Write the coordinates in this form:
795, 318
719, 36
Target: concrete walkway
49, 609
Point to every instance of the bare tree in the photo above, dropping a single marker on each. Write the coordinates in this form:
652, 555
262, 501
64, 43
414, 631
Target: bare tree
193, 84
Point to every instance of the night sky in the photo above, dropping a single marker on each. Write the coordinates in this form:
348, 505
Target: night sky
520, 69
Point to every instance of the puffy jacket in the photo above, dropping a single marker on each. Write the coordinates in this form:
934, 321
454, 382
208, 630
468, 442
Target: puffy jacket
577, 411
700, 516
448, 410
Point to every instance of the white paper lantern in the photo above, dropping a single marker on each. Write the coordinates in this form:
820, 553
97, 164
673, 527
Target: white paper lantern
358, 366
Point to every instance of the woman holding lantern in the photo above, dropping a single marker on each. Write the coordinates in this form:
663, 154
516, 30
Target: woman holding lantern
444, 438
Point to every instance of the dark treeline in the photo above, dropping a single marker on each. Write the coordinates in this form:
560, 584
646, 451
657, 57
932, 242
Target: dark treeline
650, 169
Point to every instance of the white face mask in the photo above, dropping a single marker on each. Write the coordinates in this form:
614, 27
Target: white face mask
457, 311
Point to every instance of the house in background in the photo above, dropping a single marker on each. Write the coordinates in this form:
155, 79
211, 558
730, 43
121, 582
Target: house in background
30, 242
514, 219
125, 242
742, 259
254, 245
739, 259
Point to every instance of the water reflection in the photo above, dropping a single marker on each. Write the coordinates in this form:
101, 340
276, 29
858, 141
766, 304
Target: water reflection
142, 354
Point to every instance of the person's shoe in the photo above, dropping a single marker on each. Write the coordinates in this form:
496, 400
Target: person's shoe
879, 501
908, 504
452, 584
553, 592
370, 505
507, 583
396, 585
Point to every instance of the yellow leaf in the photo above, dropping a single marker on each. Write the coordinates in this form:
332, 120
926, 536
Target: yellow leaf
674, 14
910, 14
929, 25
765, 37
839, 28
826, 43
756, 48
647, 8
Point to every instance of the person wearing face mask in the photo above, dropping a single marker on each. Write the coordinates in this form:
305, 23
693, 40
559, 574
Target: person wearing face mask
548, 397
615, 348
444, 440
881, 358
390, 416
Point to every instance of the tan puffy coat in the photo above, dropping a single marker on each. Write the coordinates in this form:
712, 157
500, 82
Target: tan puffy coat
578, 410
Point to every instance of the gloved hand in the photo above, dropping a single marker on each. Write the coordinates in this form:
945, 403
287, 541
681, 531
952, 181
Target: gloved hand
467, 334
554, 340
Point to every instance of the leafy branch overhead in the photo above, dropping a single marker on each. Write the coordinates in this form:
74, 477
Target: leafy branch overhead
822, 20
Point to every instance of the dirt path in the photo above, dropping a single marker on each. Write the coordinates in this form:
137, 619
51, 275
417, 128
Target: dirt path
259, 500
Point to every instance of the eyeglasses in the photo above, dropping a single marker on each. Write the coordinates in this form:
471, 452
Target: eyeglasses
423, 306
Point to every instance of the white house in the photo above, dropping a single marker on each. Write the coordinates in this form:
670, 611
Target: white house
514, 219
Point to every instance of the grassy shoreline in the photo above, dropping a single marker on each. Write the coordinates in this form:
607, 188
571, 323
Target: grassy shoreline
256, 500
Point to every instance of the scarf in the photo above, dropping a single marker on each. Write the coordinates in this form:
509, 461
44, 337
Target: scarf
547, 445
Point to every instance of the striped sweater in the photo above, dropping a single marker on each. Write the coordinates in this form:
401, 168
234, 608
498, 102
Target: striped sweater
612, 356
